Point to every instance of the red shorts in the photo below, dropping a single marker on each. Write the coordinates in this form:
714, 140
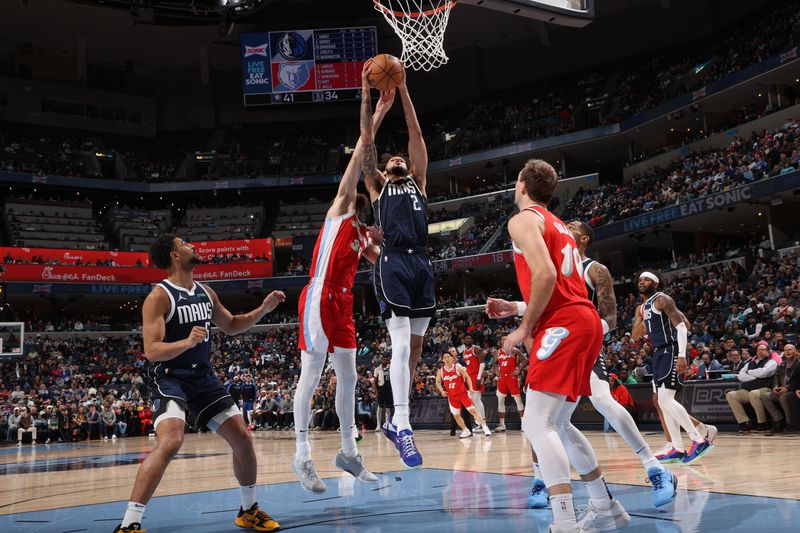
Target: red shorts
458, 401
326, 318
478, 387
508, 385
565, 348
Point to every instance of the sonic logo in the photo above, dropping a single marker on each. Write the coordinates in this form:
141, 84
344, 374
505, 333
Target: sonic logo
259, 50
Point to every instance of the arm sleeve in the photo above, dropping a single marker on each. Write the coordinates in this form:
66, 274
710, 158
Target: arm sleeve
682, 338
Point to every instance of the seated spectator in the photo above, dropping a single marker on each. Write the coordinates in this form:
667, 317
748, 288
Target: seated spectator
286, 411
26, 426
13, 424
366, 412
622, 396
93, 422
707, 363
755, 378
108, 422
787, 380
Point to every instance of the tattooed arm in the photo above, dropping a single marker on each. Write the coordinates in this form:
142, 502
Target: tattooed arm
369, 155
606, 299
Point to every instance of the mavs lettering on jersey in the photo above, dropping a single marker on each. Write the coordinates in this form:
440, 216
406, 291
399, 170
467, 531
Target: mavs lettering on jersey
402, 213
659, 326
188, 308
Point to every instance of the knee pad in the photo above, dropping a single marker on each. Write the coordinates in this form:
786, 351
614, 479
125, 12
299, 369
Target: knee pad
518, 401
419, 325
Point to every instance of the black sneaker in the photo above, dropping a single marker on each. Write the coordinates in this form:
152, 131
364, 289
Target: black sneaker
777, 427
136, 527
761, 428
745, 428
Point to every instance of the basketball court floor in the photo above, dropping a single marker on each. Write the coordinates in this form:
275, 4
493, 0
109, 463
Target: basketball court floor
746, 484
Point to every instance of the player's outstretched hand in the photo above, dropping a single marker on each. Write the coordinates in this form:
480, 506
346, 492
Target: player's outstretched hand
375, 235
196, 336
272, 300
499, 308
518, 336
385, 102
365, 72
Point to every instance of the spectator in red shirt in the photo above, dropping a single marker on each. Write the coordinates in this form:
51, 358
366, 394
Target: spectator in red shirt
622, 396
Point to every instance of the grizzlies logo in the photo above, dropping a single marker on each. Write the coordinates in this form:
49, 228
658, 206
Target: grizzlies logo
293, 75
292, 46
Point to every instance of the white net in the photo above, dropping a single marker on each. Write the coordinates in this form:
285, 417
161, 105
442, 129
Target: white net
420, 24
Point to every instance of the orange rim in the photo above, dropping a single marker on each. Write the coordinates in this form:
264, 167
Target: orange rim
415, 14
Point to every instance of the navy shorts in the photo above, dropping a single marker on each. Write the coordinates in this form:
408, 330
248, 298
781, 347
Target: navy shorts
199, 393
665, 367
404, 284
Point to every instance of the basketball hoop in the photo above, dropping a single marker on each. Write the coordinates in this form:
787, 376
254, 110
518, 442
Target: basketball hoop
420, 24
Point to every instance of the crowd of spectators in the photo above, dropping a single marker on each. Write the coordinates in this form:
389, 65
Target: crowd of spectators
743, 161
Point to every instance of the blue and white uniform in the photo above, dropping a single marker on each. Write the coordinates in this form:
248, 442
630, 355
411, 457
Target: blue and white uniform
403, 275
664, 339
186, 382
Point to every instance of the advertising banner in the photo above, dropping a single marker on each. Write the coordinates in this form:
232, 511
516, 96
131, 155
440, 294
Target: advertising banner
261, 248
44, 274
127, 259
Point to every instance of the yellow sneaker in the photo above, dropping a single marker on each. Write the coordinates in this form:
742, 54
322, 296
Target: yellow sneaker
256, 519
136, 527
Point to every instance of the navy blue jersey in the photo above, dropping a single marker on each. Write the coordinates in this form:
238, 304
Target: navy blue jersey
188, 308
590, 288
402, 212
249, 392
658, 325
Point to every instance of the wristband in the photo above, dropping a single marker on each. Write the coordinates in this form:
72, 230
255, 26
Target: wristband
521, 307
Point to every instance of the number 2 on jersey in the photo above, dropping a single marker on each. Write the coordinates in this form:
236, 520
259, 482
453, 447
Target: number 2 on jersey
571, 257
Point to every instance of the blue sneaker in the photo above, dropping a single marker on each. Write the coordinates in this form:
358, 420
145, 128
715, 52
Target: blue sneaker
672, 456
390, 432
408, 450
665, 485
538, 496
697, 451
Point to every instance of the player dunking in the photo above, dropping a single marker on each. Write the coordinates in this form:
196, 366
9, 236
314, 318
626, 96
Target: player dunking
403, 274
176, 321
474, 360
508, 366
450, 383
666, 329
562, 330
326, 320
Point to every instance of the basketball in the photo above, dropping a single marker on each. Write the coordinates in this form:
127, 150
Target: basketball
386, 72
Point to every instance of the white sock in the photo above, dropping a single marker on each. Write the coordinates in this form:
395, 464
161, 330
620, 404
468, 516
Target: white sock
538, 471
400, 418
598, 493
248, 495
563, 510
303, 448
344, 365
399, 328
648, 459
133, 514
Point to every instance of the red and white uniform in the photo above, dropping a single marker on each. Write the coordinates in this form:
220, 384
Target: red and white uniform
568, 336
456, 390
507, 382
326, 303
473, 366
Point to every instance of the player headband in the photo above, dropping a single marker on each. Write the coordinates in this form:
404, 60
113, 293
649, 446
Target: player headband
650, 276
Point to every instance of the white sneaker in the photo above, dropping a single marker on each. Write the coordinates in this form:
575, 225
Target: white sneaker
354, 466
711, 433
33, 443
307, 475
113, 437
594, 520
19, 444
465, 434
486, 431
105, 438
499, 429
663, 451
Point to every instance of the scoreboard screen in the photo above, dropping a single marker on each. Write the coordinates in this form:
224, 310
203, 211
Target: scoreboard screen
295, 66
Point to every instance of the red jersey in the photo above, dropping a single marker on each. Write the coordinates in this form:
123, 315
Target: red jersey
570, 288
507, 362
471, 360
339, 246
453, 383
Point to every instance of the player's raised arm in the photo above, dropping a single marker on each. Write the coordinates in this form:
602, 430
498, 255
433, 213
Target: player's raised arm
417, 151
349, 183
155, 306
606, 299
233, 324
373, 179
527, 231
